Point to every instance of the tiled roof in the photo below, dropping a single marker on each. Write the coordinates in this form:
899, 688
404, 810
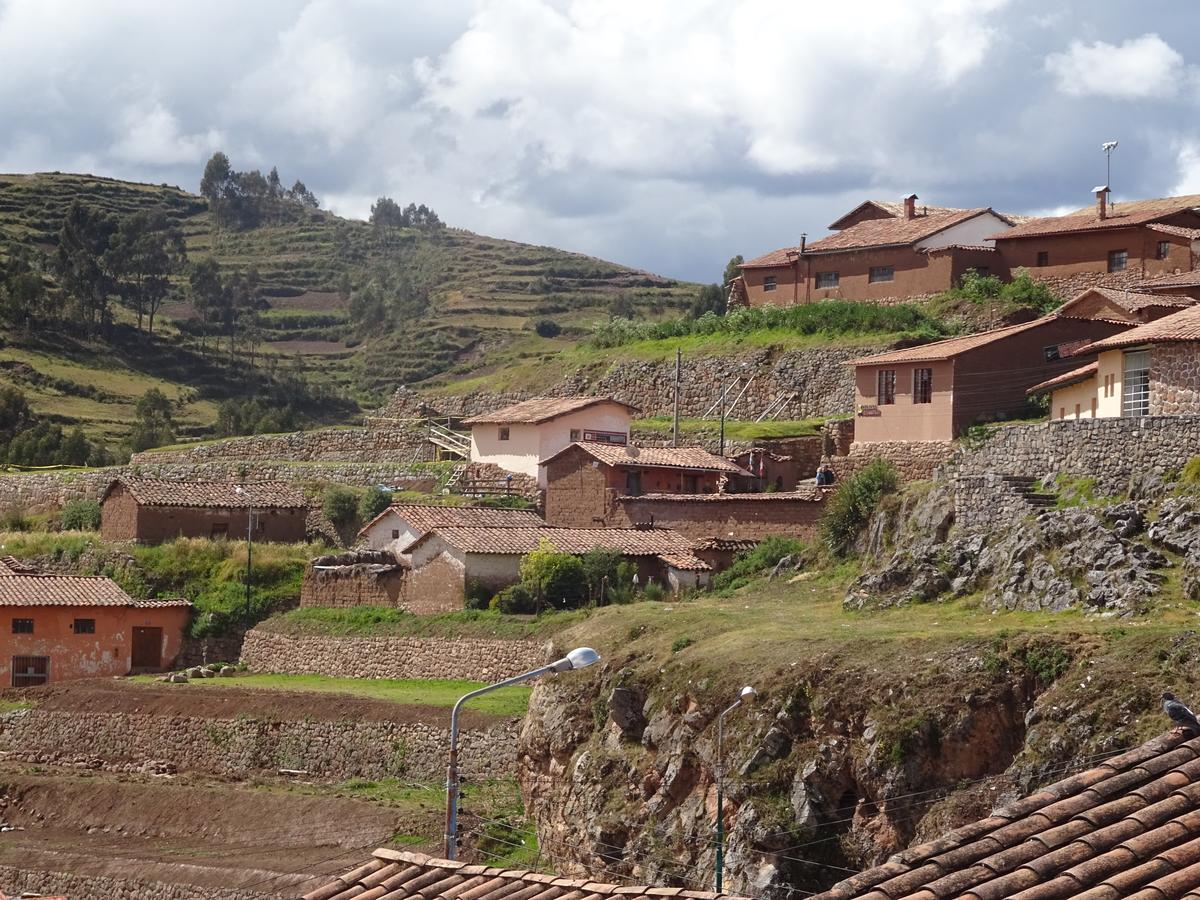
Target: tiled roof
693, 458
1083, 373
540, 409
735, 545
892, 232
70, 590
800, 494
1192, 234
220, 494
975, 247
949, 348
512, 541
1130, 301
893, 208
1183, 279
1128, 828
424, 517
1178, 327
402, 874
1121, 215
784, 256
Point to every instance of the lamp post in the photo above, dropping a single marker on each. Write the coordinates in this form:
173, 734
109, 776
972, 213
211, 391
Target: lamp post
241, 491
579, 658
746, 695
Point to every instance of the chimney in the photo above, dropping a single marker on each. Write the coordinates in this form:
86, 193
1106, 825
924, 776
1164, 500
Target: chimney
1102, 201
910, 206
803, 242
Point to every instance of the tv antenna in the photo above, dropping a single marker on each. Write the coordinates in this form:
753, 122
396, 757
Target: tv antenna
1108, 147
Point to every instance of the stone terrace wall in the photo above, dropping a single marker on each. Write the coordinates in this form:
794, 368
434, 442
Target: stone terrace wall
373, 445
914, 460
748, 516
234, 747
1110, 450
981, 501
474, 659
103, 887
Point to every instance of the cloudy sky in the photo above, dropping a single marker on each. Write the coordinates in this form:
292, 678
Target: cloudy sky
666, 134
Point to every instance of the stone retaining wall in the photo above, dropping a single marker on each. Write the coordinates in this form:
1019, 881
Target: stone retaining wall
373, 445
980, 501
474, 659
238, 747
914, 460
1113, 451
20, 882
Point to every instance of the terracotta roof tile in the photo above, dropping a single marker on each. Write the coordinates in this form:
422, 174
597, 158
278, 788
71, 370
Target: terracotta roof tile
892, 208
1121, 215
1130, 827
23, 586
1130, 301
1192, 234
222, 494
424, 517
1168, 282
950, 347
541, 409
1179, 327
800, 495
1075, 376
690, 458
784, 256
892, 232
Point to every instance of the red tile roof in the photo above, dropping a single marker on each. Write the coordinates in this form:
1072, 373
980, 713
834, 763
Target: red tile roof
425, 517
690, 458
1121, 215
893, 208
1128, 828
1183, 279
1075, 376
218, 494
949, 348
1130, 301
541, 409
1180, 327
402, 874
784, 256
70, 590
897, 232
1192, 234
519, 541
806, 495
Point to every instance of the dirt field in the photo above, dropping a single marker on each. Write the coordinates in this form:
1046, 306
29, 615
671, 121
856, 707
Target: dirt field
219, 702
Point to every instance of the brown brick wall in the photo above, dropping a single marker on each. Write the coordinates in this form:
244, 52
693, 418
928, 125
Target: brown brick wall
353, 586
751, 518
577, 493
122, 519
118, 515
438, 586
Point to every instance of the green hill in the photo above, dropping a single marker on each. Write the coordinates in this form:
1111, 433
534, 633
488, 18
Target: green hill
484, 296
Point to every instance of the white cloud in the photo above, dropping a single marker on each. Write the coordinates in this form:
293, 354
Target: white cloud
150, 134
1188, 158
1138, 68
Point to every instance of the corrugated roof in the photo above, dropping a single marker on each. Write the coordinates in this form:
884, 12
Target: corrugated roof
541, 409
1127, 828
220, 494
1180, 327
424, 517
513, 541
691, 458
1121, 215
892, 232
402, 874
950, 347
1083, 373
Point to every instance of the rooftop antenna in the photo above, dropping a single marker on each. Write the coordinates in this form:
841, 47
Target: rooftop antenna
1108, 147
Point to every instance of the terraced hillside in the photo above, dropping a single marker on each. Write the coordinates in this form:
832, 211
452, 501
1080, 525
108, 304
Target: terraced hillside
485, 295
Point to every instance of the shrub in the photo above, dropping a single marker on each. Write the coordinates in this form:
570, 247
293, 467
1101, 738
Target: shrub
477, 595
556, 578
515, 599
81, 515
15, 519
340, 505
601, 571
761, 558
654, 592
853, 503
1190, 475
681, 643
547, 328
373, 502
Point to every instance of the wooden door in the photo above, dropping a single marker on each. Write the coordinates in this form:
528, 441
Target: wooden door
147, 648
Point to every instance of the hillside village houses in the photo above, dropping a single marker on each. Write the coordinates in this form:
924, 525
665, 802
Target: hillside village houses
398, 526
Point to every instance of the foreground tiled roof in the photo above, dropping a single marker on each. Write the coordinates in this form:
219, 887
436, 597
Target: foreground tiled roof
401, 874
1192, 234
71, 590
1183, 279
694, 458
427, 517
1128, 828
1130, 301
540, 409
1178, 327
221, 494
735, 545
1075, 376
892, 232
511, 541
1121, 215
950, 347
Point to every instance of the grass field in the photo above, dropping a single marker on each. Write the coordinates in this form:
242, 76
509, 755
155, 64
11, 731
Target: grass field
505, 702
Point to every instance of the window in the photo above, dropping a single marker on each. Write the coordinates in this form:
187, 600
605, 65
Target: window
606, 437
219, 530
1051, 353
84, 626
395, 534
1043, 258
1117, 260
770, 283
827, 280
22, 626
691, 484
503, 433
1110, 385
885, 389
922, 385
1095, 404
576, 434
881, 273
1164, 249
1077, 412
1135, 384
633, 483
30, 671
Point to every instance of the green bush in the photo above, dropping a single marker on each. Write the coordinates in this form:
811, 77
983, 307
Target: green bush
374, 501
852, 504
515, 599
547, 328
15, 519
80, 515
760, 559
654, 592
558, 579
1190, 475
477, 595
340, 505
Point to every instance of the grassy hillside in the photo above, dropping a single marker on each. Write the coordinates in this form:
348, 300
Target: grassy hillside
485, 294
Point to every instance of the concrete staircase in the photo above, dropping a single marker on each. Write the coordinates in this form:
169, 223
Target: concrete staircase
1026, 487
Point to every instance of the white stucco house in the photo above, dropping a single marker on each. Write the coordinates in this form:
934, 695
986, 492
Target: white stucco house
403, 523
520, 437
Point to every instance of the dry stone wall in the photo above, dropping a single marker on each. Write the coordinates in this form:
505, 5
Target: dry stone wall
24, 882
374, 445
474, 659
914, 460
1174, 380
235, 747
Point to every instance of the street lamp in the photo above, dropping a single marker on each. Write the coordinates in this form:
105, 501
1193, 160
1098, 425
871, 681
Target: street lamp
746, 695
241, 491
579, 658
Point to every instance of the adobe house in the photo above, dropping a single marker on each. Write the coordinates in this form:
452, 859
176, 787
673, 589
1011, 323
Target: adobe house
583, 480
1150, 370
65, 627
1108, 243
936, 391
1123, 305
880, 251
1185, 283
402, 523
151, 511
519, 437
492, 556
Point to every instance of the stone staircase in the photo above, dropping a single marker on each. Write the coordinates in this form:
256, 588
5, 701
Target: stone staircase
1026, 487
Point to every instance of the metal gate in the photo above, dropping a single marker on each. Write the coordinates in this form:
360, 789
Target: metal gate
30, 671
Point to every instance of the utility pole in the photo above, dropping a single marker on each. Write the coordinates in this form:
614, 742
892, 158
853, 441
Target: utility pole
249, 544
675, 430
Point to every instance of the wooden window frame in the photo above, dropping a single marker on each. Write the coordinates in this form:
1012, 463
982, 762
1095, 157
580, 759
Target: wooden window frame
881, 274
922, 385
885, 387
1043, 259
84, 626
22, 626
770, 283
1115, 257
827, 280
503, 433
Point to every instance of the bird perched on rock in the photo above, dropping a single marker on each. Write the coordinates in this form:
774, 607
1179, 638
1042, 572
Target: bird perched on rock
1180, 714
